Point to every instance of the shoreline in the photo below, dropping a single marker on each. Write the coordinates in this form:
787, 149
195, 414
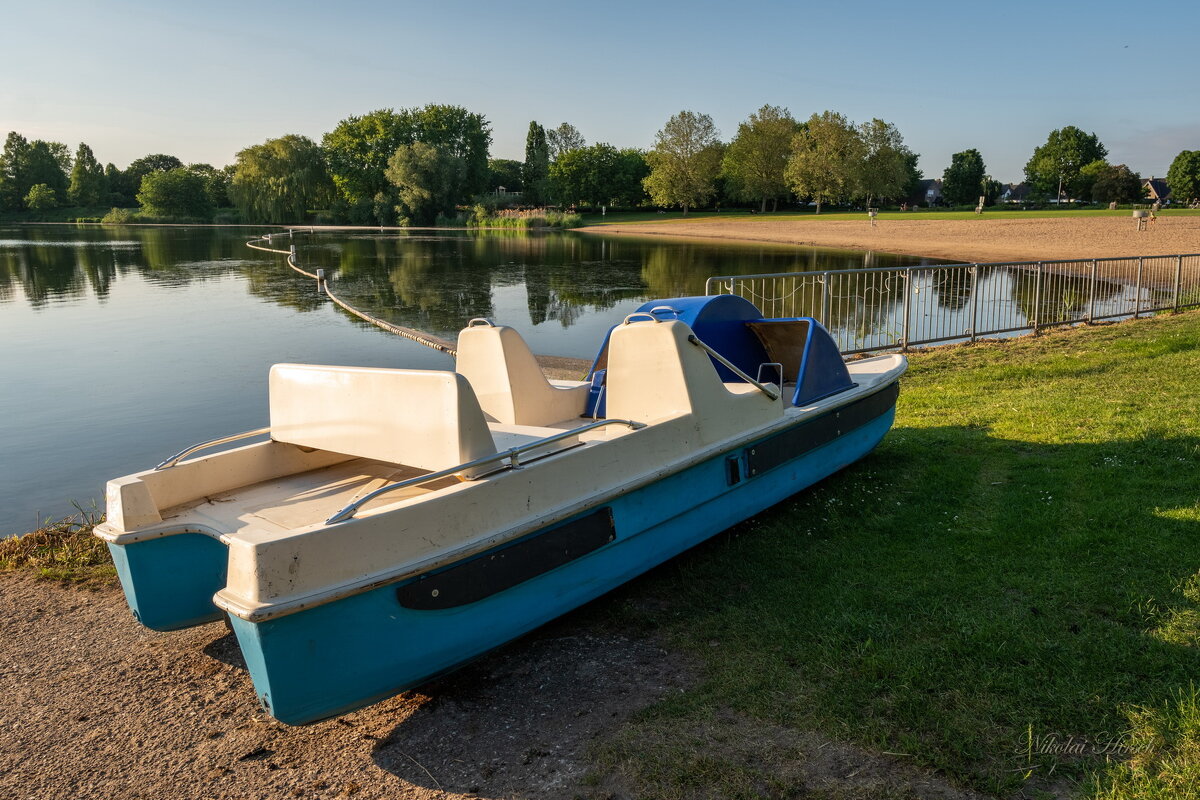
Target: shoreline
977, 240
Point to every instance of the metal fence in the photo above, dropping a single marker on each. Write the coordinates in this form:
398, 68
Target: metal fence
901, 307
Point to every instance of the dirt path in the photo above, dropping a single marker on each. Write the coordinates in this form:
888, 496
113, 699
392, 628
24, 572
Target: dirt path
984, 239
92, 705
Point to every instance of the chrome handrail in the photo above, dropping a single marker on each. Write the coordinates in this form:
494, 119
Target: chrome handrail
175, 459
767, 389
513, 454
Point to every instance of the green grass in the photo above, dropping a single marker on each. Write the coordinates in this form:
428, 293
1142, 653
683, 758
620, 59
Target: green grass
64, 551
787, 216
69, 214
1016, 564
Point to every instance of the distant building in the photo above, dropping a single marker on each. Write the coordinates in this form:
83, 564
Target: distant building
1014, 193
928, 193
1156, 189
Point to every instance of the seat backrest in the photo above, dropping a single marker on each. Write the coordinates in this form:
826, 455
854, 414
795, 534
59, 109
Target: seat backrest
508, 381
422, 418
655, 372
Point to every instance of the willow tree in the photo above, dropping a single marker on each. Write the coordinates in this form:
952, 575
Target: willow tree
826, 159
685, 161
757, 157
280, 180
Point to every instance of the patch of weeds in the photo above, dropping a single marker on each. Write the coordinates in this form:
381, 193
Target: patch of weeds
64, 551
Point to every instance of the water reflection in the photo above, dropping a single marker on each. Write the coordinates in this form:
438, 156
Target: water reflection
437, 281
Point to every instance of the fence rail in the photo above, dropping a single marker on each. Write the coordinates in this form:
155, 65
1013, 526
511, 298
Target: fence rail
900, 307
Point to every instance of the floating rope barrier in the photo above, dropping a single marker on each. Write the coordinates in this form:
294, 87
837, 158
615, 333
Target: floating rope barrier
420, 337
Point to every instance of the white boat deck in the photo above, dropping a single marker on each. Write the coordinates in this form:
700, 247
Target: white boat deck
307, 498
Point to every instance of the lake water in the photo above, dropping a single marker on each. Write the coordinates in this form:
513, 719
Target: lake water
123, 345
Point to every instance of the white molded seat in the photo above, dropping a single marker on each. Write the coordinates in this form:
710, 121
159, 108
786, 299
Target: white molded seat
421, 418
510, 385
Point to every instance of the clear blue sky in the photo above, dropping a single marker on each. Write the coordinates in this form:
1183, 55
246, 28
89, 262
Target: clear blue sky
202, 80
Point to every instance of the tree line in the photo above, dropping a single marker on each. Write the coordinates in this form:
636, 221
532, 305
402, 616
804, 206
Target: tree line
419, 165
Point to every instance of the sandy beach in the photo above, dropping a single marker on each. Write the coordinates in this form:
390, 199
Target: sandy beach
983, 239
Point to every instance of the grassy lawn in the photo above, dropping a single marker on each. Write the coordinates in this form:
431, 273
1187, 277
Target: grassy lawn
787, 216
1017, 564
1016, 567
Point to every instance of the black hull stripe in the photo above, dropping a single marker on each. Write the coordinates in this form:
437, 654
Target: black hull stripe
794, 442
505, 567
494, 571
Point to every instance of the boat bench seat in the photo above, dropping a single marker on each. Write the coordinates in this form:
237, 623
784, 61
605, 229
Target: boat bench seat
511, 387
420, 418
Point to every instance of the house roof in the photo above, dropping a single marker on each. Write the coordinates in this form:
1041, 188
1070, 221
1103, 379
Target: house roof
1157, 188
1015, 191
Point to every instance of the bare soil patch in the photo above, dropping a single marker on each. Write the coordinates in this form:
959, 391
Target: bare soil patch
94, 705
983, 239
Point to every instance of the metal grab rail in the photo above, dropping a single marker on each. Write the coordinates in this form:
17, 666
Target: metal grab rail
768, 390
175, 459
512, 454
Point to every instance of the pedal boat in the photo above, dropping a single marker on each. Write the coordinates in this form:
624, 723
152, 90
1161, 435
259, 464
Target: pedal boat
399, 523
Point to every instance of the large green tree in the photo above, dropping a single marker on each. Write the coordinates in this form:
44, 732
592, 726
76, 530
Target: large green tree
912, 174
563, 139
359, 148
755, 161
280, 180
12, 171
460, 133
357, 151
121, 191
962, 181
826, 156
1184, 177
1086, 179
216, 183
428, 179
88, 186
504, 172
26, 164
1055, 165
599, 174
883, 172
536, 171
174, 193
140, 168
1117, 184
685, 161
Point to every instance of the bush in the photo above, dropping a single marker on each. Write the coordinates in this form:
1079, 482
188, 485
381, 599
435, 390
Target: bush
118, 216
227, 216
41, 198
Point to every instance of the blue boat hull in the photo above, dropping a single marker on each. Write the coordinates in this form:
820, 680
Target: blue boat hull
345, 654
169, 582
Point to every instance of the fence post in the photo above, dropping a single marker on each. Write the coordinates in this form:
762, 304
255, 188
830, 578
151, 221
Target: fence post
1137, 291
974, 300
907, 295
1037, 297
825, 299
1092, 294
1178, 281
